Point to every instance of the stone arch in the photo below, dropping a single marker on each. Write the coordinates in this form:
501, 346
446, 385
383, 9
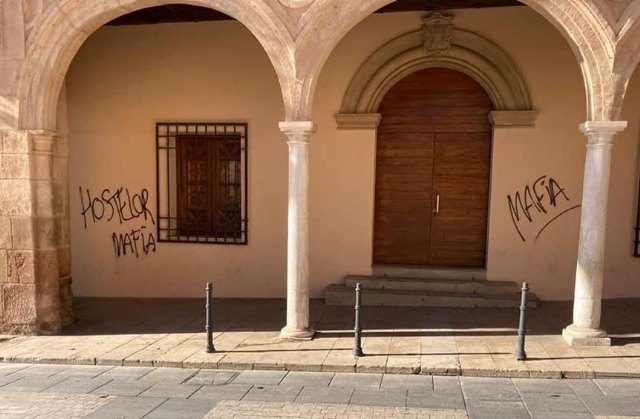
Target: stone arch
467, 52
587, 32
63, 31
628, 47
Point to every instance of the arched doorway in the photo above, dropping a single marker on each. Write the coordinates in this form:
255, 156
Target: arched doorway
433, 160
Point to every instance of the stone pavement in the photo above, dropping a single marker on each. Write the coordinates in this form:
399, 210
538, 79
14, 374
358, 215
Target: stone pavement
100, 392
469, 342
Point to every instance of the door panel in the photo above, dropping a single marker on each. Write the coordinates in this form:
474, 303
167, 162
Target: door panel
434, 138
404, 166
461, 178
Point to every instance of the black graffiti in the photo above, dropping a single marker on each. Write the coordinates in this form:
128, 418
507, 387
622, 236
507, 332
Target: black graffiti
134, 242
537, 199
121, 204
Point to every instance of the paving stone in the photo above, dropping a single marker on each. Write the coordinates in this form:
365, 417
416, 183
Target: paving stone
435, 399
420, 382
619, 387
313, 379
123, 387
272, 393
169, 375
584, 387
560, 415
613, 405
553, 402
489, 389
4, 380
213, 377
246, 410
534, 385
79, 385
494, 409
126, 407
356, 380
224, 392
86, 371
43, 370
330, 395
48, 405
443, 383
176, 391
6, 369
379, 397
132, 373
33, 384
181, 409
259, 377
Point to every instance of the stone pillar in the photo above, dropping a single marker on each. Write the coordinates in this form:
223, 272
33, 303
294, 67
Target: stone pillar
45, 235
29, 283
61, 209
298, 134
17, 285
587, 305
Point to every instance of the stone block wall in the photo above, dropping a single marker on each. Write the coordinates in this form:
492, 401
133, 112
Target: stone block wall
17, 273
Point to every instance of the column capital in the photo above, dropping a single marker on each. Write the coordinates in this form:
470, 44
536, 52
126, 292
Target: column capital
600, 133
297, 127
42, 141
602, 127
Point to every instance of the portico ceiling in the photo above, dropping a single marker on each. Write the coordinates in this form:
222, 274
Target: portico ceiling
185, 13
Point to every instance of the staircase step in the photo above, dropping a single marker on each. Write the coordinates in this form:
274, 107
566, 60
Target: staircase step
337, 294
437, 285
412, 271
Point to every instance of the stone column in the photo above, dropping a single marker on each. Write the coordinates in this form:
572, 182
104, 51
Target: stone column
298, 134
585, 329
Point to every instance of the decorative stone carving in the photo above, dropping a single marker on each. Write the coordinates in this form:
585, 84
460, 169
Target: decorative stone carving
437, 34
466, 52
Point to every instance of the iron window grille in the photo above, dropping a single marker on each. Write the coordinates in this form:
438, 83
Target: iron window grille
201, 182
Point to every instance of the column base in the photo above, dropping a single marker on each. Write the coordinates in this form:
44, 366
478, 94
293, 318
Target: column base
296, 334
583, 336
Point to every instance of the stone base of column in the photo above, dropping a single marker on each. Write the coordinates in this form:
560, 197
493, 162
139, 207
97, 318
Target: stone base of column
296, 334
582, 336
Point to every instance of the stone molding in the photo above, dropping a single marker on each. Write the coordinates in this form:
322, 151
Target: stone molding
467, 52
513, 119
358, 121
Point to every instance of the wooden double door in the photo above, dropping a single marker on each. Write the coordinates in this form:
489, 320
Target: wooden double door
433, 163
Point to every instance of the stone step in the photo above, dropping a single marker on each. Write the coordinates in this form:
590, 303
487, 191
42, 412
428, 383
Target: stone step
438, 285
338, 294
429, 272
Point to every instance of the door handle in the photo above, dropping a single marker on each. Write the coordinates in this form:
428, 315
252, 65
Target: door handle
436, 208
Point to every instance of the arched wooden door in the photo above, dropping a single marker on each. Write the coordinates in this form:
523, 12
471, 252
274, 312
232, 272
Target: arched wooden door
433, 163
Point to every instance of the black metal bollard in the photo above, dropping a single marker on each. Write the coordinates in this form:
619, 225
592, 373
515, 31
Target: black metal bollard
357, 347
521, 355
209, 319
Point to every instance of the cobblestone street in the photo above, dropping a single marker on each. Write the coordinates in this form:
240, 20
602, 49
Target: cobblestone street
61, 391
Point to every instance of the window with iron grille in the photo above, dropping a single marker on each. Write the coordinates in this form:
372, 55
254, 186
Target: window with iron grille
202, 182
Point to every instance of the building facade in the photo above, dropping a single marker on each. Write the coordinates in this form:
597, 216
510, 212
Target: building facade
294, 142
